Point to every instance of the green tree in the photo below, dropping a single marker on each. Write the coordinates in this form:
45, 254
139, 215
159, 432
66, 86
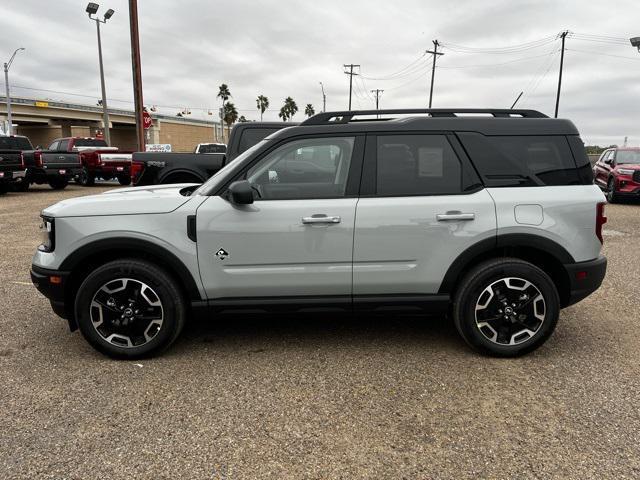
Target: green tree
230, 115
223, 93
284, 114
262, 103
309, 111
242, 119
288, 110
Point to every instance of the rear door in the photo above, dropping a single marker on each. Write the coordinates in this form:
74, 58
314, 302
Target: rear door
296, 239
601, 169
421, 206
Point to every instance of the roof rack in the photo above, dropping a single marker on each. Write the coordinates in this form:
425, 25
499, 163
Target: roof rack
347, 116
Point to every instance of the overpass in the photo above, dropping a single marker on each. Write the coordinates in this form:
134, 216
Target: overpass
44, 120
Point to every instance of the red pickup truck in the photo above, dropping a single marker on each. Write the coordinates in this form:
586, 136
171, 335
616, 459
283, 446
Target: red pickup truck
100, 161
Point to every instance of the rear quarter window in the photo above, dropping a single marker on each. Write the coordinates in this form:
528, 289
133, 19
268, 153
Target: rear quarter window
522, 160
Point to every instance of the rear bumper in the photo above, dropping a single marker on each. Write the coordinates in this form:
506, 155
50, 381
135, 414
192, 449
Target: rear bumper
114, 169
585, 278
67, 172
6, 176
52, 284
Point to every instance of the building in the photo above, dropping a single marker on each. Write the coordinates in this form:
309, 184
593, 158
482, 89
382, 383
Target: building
45, 120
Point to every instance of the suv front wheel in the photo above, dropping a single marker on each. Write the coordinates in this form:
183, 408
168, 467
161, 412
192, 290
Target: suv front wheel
130, 309
506, 307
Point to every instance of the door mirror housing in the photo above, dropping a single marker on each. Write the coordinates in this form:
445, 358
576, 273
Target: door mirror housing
241, 193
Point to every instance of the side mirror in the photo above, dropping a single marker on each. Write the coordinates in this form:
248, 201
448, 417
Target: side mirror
608, 161
241, 193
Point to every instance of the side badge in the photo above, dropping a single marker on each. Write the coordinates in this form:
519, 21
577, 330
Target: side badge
222, 254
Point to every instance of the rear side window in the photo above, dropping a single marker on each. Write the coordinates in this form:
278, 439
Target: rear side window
14, 143
518, 160
585, 172
416, 165
54, 145
251, 136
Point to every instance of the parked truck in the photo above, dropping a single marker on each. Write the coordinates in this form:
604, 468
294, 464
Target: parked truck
11, 164
153, 168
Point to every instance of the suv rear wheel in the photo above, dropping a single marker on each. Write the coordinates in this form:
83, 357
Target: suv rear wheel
130, 309
85, 178
506, 307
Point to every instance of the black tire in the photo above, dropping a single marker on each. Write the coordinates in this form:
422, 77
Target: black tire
58, 183
610, 192
140, 274
4, 188
21, 186
478, 286
124, 180
85, 178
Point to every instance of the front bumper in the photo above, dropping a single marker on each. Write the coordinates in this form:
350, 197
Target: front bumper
585, 278
53, 284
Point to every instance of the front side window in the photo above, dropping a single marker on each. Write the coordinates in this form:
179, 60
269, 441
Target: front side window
309, 168
416, 165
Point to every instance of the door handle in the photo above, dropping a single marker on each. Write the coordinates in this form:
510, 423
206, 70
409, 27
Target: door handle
443, 217
321, 218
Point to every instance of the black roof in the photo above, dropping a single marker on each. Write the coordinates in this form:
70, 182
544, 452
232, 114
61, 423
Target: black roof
485, 121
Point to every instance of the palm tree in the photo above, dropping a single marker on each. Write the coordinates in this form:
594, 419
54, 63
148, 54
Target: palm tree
230, 115
284, 114
262, 103
309, 111
242, 119
224, 93
291, 107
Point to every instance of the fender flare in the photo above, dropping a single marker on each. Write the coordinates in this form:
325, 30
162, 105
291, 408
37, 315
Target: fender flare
537, 242
178, 171
176, 266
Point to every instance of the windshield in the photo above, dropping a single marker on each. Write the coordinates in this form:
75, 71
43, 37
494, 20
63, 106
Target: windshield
205, 188
628, 156
212, 148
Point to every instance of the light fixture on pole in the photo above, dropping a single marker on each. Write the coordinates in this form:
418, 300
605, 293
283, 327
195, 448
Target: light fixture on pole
92, 9
7, 65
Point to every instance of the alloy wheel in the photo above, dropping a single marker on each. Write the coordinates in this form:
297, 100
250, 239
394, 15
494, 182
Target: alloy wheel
126, 312
510, 311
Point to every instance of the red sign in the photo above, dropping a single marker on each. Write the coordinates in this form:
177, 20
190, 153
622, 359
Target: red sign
99, 134
146, 120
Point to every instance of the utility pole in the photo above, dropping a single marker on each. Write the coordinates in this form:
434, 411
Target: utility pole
435, 54
324, 98
377, 93
351, 66
137, 73
6, 85
562, 36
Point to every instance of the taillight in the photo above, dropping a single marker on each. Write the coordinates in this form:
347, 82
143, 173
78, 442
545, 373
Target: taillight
601, 219
37, 156
136, 171
21, 161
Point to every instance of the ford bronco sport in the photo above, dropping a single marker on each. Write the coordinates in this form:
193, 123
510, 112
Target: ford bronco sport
491, 217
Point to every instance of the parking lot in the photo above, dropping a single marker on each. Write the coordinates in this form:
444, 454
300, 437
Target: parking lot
318, 397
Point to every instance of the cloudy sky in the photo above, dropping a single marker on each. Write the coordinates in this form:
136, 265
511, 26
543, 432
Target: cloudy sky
493, 50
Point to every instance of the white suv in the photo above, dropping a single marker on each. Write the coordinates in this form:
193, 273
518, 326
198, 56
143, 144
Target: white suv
491, 217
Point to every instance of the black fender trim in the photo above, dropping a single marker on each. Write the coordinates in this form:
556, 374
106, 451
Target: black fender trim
135, 245
537, 242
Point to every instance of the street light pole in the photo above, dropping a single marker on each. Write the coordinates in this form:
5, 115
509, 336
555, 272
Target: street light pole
6, 84
92, 8
324, 98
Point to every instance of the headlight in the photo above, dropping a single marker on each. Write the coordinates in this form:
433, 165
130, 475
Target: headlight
625, 171
48, 232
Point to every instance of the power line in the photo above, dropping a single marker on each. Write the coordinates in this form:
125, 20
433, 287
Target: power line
399, 73
481, 65
591, 52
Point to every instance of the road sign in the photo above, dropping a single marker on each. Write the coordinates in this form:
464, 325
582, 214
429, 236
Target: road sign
146, 120
158, 147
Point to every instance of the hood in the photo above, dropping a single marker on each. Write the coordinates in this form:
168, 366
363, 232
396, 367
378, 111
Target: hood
628, 166
123, 201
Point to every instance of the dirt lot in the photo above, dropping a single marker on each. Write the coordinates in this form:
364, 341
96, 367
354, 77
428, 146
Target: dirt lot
304, 397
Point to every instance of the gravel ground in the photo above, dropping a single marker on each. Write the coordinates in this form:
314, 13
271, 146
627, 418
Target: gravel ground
317, 397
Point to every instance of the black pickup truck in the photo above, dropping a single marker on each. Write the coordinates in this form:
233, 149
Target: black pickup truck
55, 166
11, 168
152, 168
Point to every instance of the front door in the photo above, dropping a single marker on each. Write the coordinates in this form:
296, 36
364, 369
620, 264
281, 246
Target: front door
296, 239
